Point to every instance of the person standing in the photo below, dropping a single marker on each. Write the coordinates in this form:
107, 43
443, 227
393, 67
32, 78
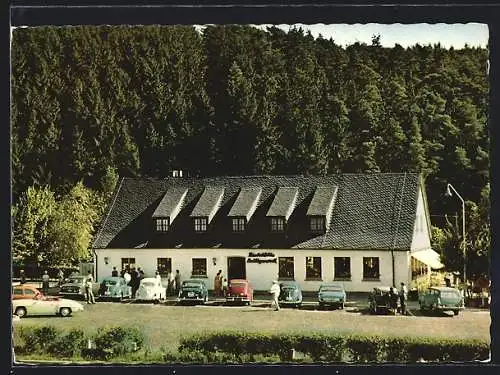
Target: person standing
403, 296
60, 277
177, 282
45, 282
22, 277
114, 273
275, 291
218, 284
89, 293
158, 276
224, 287
171, 283
140, 274
134, 281
393, 300
126, 276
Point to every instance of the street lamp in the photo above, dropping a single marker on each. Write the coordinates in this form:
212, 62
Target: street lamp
449, 189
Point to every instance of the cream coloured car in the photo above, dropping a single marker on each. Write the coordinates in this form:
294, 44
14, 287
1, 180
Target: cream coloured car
42, 305
151, 289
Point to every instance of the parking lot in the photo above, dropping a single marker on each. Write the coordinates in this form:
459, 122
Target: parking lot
165, 323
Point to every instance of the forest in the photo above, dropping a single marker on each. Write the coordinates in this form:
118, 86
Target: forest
92, 104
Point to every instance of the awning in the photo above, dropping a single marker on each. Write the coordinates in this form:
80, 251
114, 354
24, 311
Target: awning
429, 257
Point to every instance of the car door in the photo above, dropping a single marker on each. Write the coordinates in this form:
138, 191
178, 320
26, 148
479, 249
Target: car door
41, 306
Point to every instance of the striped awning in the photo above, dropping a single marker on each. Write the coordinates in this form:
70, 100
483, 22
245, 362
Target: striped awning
429, 257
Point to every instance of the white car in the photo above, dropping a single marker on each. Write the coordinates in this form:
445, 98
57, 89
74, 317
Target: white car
151, 289
41, 305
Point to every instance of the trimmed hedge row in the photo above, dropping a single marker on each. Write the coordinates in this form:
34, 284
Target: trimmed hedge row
107, 343
337, 348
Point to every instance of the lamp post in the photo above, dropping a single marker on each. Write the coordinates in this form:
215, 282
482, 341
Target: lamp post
449, 189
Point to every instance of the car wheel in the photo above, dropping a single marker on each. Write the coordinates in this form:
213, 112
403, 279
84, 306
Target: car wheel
20, 312
65, 311
455, 312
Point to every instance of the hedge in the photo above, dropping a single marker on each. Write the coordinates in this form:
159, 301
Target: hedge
337, 348
48, 340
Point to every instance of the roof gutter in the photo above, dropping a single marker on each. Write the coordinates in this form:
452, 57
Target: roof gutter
95, 264
396, 232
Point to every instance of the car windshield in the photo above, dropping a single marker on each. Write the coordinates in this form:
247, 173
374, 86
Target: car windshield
450, 294
331, 289
288, 288
76, 280
148, 284
191, 285
110, 282
237, 285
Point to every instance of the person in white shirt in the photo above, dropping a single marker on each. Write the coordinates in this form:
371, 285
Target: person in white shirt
89, 294
275, 291
127, 277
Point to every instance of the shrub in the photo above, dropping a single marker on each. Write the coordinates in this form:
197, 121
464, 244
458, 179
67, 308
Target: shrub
36, 339
119, 340
68, 345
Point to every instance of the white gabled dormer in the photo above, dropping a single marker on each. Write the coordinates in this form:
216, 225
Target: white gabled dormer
321, 208
244, 207
282, 207
206, 208
168, 208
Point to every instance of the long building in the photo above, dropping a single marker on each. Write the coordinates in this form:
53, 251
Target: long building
361, 229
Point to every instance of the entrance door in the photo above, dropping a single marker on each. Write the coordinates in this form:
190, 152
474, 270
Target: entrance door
236, 268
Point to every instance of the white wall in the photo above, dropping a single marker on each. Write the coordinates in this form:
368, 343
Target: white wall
261, 275
421, 236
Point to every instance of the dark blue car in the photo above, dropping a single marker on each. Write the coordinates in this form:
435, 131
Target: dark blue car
290, 294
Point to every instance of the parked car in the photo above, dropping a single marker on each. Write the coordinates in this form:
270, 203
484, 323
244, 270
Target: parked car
42, 305
441, 299
74, 286
332, 294
151, 289
24, 291
116, 288
379, 300
239, 290
290, 294
193, 290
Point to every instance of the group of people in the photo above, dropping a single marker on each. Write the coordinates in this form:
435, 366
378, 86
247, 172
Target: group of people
401, 295
220, 285
134, 276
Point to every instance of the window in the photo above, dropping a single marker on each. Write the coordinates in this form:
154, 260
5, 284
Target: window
371, 268
128, 263
200, 224
313, 267
317, 224
285, 267
164, 265
277, 224
162, 225
239, 224
199, 267
18, 291
342, 268
29, 292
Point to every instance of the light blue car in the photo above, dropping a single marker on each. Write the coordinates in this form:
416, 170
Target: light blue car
115, 288
332, 295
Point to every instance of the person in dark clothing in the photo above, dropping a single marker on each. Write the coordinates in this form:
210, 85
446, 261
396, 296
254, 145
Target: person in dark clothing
114, 273
23, 277
140, 273
393, 300
403, 297
134, 281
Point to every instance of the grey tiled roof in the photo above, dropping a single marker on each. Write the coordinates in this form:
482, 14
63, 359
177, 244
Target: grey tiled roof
246, 202
209, 202
371, 211
284, 202
170, 202
322, 201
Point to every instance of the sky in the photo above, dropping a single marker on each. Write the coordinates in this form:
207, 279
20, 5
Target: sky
456, 35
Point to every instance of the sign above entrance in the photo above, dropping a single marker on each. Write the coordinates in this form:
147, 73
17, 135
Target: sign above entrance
259, 261
251, 254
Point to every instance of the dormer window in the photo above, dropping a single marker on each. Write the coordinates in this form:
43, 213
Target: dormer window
162, 224
277, 224
317, 224
200, 224
239, 224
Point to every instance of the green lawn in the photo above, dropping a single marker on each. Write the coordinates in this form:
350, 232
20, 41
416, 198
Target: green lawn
164, 326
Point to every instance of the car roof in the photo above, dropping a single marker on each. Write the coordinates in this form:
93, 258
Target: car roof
329, 285
444, 288
25, 287
238, 281
112, 278
383, 288
149, 279
194, 281
289, 283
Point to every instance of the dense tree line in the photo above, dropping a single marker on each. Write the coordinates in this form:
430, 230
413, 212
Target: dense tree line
88, 102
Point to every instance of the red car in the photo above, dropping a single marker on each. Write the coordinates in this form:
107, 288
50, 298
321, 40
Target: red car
239, 290
25, 291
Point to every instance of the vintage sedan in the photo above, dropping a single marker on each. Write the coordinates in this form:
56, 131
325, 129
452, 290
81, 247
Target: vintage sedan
151, 289
239, 291
193, 290
441, 299
332, 295
115, 288
381, 301
290, 294
41, 305
24, 291
74, 286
